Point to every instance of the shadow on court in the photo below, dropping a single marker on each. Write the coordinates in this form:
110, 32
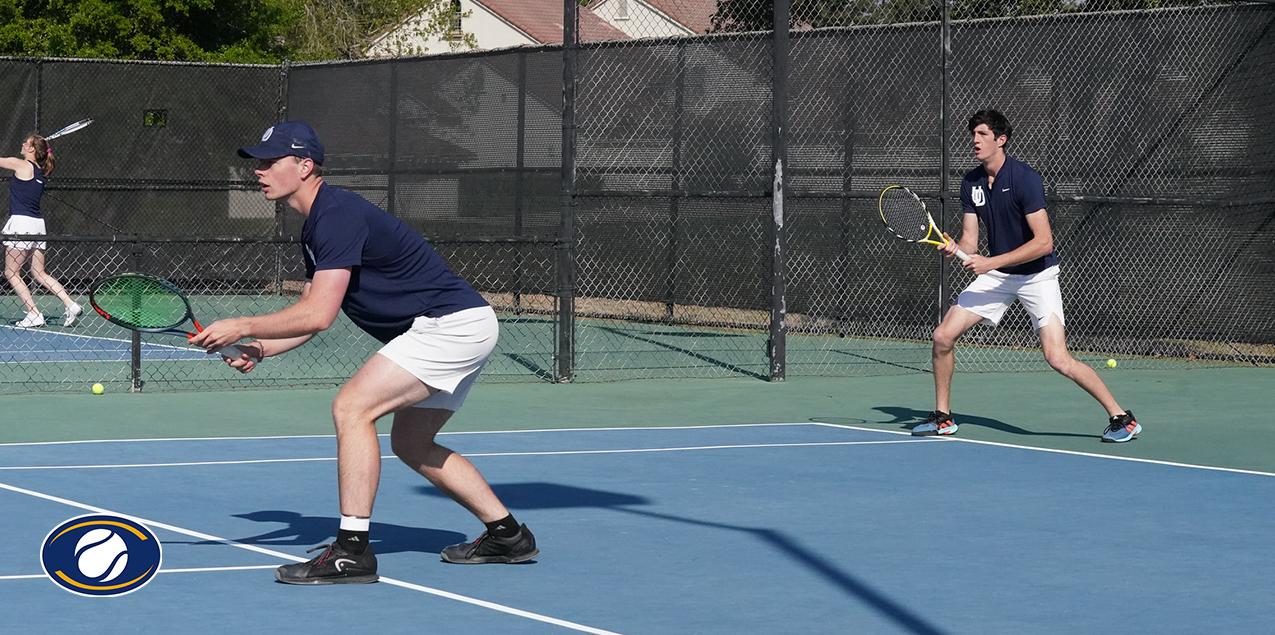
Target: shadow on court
908, 418
554, 496
303, 530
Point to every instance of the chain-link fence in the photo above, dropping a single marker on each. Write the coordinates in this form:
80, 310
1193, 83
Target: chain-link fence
1150, 127
696, 199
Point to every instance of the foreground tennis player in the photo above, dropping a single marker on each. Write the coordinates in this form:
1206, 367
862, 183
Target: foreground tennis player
1008, 196
438, 333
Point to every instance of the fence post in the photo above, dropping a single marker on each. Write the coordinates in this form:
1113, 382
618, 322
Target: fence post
565, 246
778, 348
944, 286
135, 364
520, 179
675, 180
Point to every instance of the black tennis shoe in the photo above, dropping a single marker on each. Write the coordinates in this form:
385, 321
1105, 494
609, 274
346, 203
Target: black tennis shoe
488, 549
334, 566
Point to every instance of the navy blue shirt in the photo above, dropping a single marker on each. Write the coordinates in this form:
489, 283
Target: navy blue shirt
24, 196
1019, 191
396, 275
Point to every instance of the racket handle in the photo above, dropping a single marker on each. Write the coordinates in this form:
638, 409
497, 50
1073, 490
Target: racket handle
962, 255
233, 352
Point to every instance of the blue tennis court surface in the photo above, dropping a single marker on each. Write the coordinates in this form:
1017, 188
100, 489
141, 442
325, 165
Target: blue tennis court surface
774, 528
24, 346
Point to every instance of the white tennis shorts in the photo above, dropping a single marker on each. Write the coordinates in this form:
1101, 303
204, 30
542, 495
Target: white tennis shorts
18, 224
446, 353
991, 294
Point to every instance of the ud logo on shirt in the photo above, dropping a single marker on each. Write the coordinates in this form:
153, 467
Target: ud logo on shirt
101, 555
977, 194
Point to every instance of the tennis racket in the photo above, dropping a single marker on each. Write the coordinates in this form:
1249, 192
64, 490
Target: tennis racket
79, 125
147, 304
904, 215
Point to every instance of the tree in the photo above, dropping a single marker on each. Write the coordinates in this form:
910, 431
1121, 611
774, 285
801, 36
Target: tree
244, 31
343, 29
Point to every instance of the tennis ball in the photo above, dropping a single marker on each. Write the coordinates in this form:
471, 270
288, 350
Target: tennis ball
98, 389
1111, 363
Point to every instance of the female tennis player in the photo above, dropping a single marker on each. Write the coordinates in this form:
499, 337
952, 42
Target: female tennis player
26, 188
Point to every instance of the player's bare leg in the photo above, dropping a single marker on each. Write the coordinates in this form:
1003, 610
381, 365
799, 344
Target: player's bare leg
379, 388
412, 439
14, 259
1054, 342
943, 355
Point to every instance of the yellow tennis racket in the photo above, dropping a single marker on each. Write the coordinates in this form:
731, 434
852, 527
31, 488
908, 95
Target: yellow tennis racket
904, 215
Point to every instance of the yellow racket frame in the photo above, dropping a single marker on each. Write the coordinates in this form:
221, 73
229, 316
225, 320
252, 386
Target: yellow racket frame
932, 231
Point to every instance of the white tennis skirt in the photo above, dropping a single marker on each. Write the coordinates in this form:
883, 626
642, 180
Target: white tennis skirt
24, 225
446, 353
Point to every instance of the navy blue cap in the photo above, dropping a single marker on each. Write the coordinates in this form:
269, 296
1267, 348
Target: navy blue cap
287, 139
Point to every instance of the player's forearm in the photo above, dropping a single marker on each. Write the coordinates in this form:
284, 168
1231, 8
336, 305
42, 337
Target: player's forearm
297, 321
1031, 250
273, 347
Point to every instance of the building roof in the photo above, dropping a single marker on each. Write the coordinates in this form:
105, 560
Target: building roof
696, 15
542, 20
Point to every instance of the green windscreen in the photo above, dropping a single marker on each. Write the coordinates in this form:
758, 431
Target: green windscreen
140, 302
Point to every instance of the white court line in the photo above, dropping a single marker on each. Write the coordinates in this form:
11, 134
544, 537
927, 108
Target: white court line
445, 433
1132, 459
640, 428
475, 454
279, 554
200, 569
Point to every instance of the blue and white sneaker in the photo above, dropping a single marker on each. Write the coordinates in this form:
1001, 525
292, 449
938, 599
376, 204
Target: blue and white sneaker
937, 423
1121, 428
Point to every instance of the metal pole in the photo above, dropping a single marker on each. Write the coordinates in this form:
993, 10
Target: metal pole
135, 365
778, 349
281, 109
520, 179
566, 232
944, 286
390, 181
675, 182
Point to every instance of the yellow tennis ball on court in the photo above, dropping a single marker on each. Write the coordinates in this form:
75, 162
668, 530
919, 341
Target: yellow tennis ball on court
1111, 363
98, 389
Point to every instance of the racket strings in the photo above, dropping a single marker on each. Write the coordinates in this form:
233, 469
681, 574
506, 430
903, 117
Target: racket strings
141, 302
905, 215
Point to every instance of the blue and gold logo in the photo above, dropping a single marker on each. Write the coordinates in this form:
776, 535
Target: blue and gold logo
100, 554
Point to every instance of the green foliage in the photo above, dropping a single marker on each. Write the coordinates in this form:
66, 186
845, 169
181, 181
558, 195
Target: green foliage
343, 29
242, 31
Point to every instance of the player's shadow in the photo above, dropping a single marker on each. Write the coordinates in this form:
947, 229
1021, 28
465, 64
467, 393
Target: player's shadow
526, 496
298, 529
908, 418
